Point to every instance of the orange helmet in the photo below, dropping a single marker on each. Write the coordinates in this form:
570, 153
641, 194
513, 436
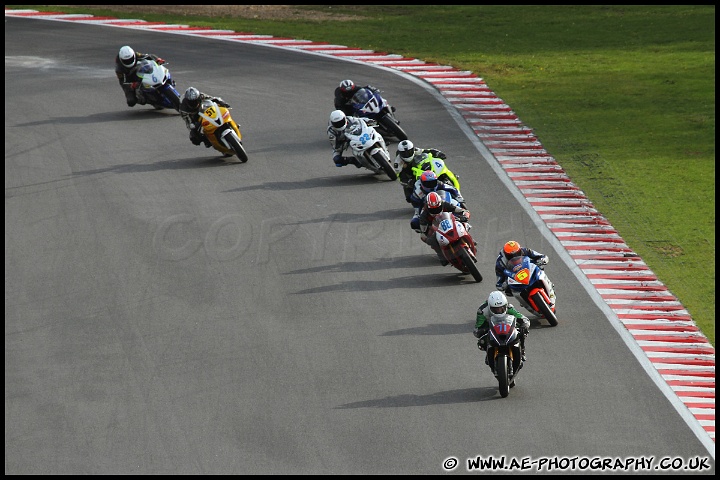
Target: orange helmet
511, 249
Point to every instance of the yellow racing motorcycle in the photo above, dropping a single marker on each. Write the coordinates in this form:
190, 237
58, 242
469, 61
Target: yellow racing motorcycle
438, 166
222, 131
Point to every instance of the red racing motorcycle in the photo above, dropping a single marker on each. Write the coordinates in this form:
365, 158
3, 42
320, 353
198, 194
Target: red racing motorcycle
456, 243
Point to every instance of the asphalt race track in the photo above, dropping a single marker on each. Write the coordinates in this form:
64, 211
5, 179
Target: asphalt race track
167, 312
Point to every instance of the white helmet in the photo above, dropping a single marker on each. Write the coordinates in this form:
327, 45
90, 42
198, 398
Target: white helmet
497, 301
338, 120
127, 56
406, 149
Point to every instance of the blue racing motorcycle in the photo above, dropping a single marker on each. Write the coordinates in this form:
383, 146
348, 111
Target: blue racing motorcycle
372, 105
528, 280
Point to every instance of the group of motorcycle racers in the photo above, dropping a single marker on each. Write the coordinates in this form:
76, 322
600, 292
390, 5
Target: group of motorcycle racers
428, 194
126, 69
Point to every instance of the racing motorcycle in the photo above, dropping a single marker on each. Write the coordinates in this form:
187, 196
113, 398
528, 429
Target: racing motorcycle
369, 104
368, 146
526, 280
157, 85
438, 166
504, 352
456, 243
222, 131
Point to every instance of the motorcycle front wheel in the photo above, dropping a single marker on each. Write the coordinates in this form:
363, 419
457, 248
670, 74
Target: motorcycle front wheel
470, 265
385, 165
238, 148
544, 309
503, 374
391, 126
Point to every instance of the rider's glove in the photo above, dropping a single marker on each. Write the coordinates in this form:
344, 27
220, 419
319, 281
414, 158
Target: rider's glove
160, 61
542, 260
524, 325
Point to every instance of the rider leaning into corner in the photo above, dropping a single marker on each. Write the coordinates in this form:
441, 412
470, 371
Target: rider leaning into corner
409, 156
428, 182
434, 205
337, 125
190, 112
511, 250
126, 63
344, 93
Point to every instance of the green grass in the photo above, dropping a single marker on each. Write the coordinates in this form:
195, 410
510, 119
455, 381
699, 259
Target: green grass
622, 96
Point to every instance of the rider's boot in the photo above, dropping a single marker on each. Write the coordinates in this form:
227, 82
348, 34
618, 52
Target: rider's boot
140, 97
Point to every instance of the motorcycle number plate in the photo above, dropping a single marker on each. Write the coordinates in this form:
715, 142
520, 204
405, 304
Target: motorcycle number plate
364, 138
523, 275
445, 225
502, 328
371, 106
210, 112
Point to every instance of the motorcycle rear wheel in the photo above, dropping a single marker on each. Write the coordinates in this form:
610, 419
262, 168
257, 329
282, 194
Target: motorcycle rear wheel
503, 376
548, 314
391, 126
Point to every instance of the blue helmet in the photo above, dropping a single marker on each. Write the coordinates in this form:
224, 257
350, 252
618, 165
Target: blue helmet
428, 181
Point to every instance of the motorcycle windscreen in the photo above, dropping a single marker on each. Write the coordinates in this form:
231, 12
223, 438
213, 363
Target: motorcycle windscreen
364, 101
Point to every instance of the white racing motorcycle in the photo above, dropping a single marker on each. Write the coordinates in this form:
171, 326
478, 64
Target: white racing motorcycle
157, 85
368, 146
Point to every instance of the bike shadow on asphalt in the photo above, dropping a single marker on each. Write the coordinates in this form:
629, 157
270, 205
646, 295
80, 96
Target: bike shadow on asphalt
446, 397
103, 117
